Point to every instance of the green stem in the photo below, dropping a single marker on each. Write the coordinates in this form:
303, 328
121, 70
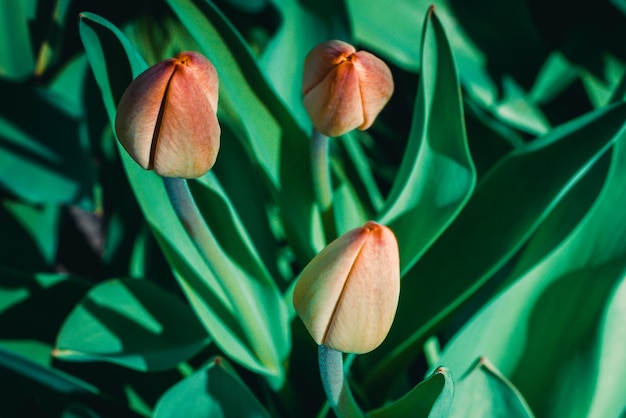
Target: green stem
209, 248
336, 385
322, 181
321, 170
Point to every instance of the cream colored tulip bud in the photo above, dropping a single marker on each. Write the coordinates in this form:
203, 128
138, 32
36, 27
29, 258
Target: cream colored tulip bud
343, 88
167, 117
348, 294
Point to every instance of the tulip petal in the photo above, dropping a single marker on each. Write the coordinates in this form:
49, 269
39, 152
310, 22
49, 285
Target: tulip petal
322, 281
367, 306
188, 139
135, 125
334, 105
204, 74
321, 61
376, 85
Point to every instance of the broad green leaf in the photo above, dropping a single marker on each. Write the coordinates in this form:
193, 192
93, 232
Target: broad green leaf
29, 388
431, 398
436, 176
30, 234
213, 391
548, 332
34, 305
299, 32
484, 392
17, 59
133, 323
274, 137
508, 205
609, 398
242, 311
51, 156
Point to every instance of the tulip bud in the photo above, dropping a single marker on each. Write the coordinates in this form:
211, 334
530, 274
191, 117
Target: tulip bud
348, 294
167, 117
344, 89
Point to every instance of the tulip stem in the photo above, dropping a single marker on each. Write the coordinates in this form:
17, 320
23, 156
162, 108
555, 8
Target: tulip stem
187, 211
322, 181
207, 245
336, 385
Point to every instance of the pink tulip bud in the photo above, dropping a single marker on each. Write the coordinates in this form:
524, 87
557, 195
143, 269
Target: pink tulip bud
348, 294
167, 117
344, 89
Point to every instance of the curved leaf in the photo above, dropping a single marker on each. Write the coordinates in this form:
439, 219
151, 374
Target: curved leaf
214, 391
133, 323
17, 59
33, 232
437, 175
484, 392
47, 161
32, 388
430, 398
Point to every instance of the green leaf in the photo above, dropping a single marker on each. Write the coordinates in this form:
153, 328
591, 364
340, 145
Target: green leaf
610, 392
51, 156
272, 134
17, 59
554, 329
33, 305
133, 323
29, 388
372, 20
253, 332
31, 235
436, 176
430, 398
508, 205
104, 45
484, 392
392, 31
517, 110
214, 391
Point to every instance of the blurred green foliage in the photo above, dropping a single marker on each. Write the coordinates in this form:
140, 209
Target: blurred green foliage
499, 164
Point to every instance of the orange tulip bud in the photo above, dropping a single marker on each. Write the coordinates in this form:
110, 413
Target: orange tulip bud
167, 117
348, 294
344, 89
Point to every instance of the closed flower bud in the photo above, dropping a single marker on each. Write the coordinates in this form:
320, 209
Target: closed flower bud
348, 294
167, 117
344, 89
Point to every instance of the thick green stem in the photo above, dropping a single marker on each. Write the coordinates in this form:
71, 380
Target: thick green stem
321, 170
336, 385
209, 248
322, 181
